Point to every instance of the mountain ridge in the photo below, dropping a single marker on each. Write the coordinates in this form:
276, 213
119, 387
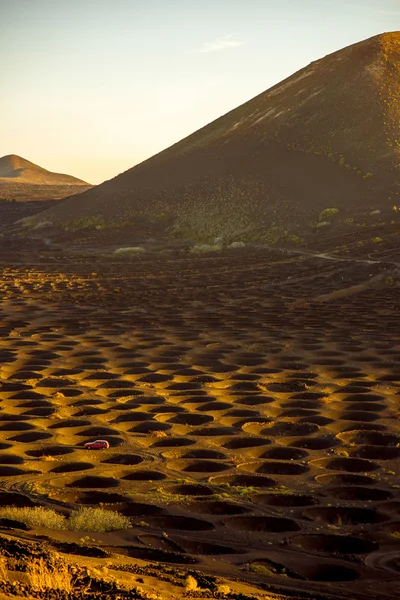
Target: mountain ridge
327, 136
19, 170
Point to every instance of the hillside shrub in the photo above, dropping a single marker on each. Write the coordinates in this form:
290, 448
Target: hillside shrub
328, 213
202, 248
237, 245
94, 222
294, 239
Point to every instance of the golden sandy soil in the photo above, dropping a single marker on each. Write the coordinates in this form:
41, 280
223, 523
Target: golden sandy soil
251, 443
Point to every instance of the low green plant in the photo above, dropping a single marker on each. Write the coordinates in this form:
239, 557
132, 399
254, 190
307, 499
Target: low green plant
237, 245
143, 524
203, 248
261, 570
247, 491
94, 222
343, 453
377, 240
328, 213
396, 534
97, 519
294, 239
274, 234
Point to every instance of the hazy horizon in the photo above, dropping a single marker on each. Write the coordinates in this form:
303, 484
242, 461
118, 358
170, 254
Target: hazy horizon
93, 88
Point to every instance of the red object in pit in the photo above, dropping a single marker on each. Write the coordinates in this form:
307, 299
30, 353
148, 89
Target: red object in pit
97, 445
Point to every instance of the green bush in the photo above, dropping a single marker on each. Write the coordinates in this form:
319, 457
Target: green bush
377, 240
84, 519
97, 519
35, 517
237, 245
261, 570
327, 213
294, 239
274, 234
94, 222
202, 248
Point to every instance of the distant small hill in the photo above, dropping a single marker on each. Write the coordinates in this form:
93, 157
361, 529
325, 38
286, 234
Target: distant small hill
328, 137
22, 180
19, 170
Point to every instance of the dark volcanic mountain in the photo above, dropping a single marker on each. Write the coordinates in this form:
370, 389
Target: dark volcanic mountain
22, 179
326, 137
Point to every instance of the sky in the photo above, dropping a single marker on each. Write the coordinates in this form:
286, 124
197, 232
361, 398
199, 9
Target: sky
93, 87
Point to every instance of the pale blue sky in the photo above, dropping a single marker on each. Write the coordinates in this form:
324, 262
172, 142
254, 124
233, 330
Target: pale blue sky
92, 87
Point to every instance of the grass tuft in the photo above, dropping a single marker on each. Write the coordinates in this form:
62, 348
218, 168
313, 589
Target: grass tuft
3, 568
43, 576
190, 584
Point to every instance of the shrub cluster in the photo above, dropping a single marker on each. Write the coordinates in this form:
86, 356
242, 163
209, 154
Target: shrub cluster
83, 519
328, 213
